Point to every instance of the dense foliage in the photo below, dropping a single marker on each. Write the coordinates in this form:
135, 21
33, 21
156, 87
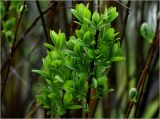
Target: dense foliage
76, 55
72, 67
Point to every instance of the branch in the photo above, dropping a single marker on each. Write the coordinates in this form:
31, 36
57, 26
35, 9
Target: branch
127, 7
42, 19
6, 64
125, 21
5, 74
33, 111
145, 70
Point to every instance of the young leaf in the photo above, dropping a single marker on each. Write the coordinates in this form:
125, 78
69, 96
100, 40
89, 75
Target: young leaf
133, 94
75, 13
112, 14
74, 107
114, 49
52, 96
108, 34
53, 36
90, 53
59, 78
95, 17
86, 36
67, 100
94, 83
61, 40
42, 73
77, 48
49, 46
56, 63
147, 32
117, 59
102, 80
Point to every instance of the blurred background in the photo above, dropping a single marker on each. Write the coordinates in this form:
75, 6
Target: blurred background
25, 28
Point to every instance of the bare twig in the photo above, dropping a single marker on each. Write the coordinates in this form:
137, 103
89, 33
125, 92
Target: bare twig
5, 74
42, 19
127, 7
36, 20
140, 105
6, 64
125, 21
33, 111
144, 72
127, 53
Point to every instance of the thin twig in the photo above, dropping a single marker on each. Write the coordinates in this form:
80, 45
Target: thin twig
33, 111
127, 53
125, 22
12, 52
127, 7
144, 72
140, 105
21, 39
43, 21
36, 19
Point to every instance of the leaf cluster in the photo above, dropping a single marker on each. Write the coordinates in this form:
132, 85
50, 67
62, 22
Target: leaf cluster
67, 66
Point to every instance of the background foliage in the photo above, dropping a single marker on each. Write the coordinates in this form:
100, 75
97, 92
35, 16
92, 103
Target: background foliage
25, 28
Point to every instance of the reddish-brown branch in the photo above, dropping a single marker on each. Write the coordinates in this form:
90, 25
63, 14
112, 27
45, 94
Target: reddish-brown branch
145, 70
5, 67
5, 74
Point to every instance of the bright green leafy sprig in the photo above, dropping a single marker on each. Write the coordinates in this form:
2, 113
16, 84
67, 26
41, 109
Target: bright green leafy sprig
67, 66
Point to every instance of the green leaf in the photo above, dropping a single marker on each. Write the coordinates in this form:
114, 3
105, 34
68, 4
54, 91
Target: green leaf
147, 32
103, 49
69, 53
69, 86
77, 48
60, 110
112, 14
95, 17
79, 41
53, 36
59, 78
102, 80
67, 100
52, 96
108, 34
70, 65
87, 13
46, 106
42, 73
90, 53
114, 49
49, 46
86, 36
56, 63
117, 59
100, 71
48, 81
55, 55
94, 83
75, 13
74, 107
61, 40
